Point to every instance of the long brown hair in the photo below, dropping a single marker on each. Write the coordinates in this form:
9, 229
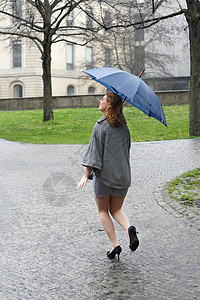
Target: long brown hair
114, 113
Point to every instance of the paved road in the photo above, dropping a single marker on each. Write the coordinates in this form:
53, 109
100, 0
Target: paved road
51, 243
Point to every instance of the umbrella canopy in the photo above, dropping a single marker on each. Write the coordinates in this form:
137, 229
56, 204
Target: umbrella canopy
131, 88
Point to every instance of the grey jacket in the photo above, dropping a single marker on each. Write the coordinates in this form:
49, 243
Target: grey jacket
108, 153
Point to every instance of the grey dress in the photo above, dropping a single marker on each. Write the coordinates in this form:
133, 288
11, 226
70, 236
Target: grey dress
108, 153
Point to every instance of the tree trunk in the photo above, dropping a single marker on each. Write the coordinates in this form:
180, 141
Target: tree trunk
193, 19
47, 89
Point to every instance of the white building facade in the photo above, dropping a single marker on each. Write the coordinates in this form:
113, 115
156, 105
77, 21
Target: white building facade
161, 57
167, 56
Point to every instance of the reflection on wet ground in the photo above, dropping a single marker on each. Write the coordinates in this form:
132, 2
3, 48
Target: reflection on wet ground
52, 243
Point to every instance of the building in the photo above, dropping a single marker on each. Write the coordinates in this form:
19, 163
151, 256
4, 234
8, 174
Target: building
167, 56
21, 65
132, 50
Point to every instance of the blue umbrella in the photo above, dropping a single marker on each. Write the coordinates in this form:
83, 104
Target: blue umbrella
131, 88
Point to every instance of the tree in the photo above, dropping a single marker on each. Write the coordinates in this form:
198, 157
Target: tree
193, 19
192, 14
46, 22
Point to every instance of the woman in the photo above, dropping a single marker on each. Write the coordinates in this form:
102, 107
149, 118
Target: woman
107, 158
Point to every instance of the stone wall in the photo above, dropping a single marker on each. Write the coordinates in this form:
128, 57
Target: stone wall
173, 97
174, 83
166, 98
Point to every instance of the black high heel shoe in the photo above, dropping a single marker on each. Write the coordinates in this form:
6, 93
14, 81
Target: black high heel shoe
134, 242
117, 250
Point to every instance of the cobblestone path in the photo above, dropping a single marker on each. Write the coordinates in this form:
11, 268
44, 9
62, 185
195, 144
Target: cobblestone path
52, 243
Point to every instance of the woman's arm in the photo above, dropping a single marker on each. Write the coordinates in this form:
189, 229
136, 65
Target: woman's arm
84, 179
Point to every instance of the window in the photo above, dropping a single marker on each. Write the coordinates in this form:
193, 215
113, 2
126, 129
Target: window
70, 18
108, 57
70, 57
89, 57
89, 18
138, 33
16, 10
17, 91
107, 18
91, 90
70, 90
16, 53
139, 59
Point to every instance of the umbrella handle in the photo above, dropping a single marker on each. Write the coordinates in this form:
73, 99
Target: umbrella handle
124, 99
141, 73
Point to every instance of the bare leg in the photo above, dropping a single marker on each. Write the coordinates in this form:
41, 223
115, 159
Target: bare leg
103, 204
116, 203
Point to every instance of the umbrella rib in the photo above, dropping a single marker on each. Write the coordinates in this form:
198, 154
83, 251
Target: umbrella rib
114, 89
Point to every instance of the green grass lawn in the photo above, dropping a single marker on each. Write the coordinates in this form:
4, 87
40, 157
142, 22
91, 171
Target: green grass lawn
186, 188
74, 126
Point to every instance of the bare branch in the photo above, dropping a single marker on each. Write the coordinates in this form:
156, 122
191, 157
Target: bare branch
153, 7
55, 3
59, 21
156, 5
25, 21
73, 42
38, 45
92, 17
63, 36
33, 38
151, 21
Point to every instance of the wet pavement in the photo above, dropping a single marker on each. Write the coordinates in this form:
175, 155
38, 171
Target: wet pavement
52, 243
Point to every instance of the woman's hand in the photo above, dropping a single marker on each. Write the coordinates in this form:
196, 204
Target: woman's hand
83, 182
84, 179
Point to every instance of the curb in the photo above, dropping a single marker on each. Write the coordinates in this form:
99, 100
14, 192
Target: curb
190, 215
